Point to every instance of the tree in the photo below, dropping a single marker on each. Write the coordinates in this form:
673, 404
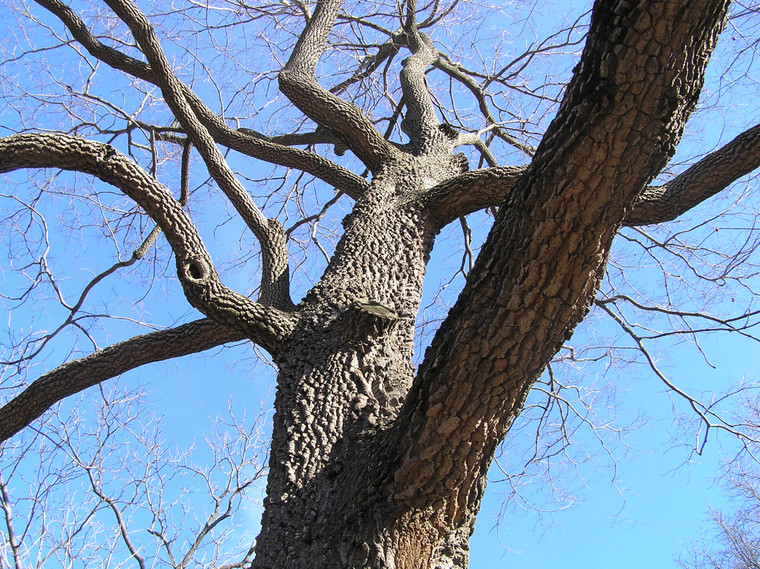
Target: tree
736, 540
373, 463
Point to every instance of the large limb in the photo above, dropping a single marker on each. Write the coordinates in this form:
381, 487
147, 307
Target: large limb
75, 376
197, 274
639, 78
246, 142
702, 180
298, 83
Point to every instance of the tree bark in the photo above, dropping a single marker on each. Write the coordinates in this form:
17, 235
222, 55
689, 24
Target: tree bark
359, 480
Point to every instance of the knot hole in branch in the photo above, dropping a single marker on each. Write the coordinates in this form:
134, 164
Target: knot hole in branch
195, 269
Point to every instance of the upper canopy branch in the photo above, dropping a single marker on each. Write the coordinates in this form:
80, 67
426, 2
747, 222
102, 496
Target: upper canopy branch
203, 289
298, 83
456, 72
704, 179
247, 143
77, 375
420, 122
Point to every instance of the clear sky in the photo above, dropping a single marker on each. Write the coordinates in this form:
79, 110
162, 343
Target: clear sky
642, 507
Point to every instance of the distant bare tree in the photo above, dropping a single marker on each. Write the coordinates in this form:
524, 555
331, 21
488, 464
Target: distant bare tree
106, 490
734, 542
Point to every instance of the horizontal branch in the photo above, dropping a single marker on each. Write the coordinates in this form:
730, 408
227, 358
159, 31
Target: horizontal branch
489, 187
75, 376
703, 180
469, 192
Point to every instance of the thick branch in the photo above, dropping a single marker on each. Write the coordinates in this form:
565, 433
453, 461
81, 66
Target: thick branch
75, 376
469, 192
704, 179
639, 78
245, 142
298, 83
197, 274
420, 122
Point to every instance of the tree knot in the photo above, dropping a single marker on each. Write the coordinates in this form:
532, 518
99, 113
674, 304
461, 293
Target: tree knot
369, 318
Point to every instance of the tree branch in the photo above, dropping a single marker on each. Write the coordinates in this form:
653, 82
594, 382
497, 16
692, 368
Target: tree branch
245, 142
75, 376
701, 181
195, 269
298, 83
456, 72
489, 187
420, 122
469, 192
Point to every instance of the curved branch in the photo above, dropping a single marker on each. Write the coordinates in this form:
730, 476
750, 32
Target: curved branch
489, 187
703, 180
75, 376
421, 121
275, 281
195, 269
298, 84
256, 146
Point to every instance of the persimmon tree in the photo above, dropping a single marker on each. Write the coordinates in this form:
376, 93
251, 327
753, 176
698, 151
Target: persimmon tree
150, 116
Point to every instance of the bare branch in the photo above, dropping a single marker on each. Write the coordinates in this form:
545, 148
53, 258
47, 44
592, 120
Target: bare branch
298, 83
194, 266
469, 192
703, 180
539, 269
77, 375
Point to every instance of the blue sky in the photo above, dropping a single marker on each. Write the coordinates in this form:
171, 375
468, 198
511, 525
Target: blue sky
642, 508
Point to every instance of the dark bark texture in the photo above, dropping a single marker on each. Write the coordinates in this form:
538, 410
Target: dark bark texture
373, 463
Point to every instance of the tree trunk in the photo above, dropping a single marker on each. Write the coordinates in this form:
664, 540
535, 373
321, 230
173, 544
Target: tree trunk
343, 376
374, 467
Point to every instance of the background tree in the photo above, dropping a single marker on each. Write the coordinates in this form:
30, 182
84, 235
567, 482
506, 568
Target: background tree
735, 540
373, 462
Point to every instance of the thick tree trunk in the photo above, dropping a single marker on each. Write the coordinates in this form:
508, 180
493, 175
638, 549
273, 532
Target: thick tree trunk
344, 374
371, 469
